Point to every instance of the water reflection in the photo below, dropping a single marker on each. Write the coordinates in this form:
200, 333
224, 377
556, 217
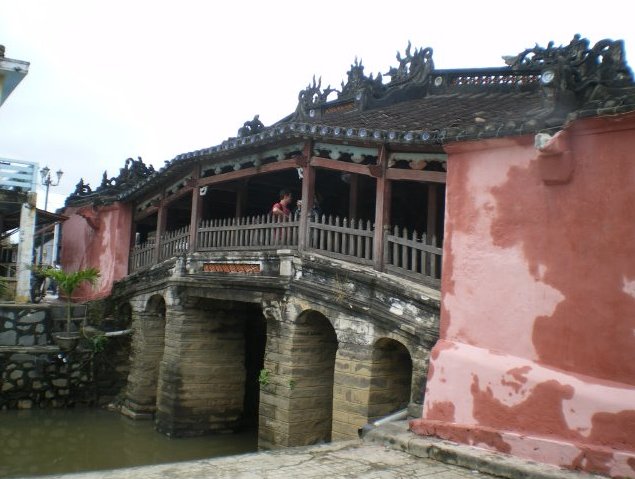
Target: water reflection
61, 441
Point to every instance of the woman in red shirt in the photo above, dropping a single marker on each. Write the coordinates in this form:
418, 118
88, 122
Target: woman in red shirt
281, 208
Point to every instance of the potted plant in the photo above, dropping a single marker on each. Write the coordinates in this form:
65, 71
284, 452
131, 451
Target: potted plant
67, 283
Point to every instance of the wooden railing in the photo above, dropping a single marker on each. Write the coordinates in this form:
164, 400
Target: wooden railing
407, 254
411, 254
250, 233
141, 256
174, 243
335, 237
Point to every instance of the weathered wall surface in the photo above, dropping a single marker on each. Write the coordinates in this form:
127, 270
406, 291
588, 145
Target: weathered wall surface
343, 344
536, 349
98, 238
36, 377
35, 373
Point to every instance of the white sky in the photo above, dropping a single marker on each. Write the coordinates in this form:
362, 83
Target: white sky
125, 78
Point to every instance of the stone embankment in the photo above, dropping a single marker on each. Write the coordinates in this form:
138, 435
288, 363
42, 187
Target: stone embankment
36, 373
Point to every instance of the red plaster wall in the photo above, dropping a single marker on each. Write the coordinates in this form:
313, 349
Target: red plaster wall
538, 291
99, 238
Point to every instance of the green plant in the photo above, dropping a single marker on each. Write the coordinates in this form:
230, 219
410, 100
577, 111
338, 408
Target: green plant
292, 383
4, 288
68, 283
263, 377
97, 343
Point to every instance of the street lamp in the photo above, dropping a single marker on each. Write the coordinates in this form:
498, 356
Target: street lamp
47, 182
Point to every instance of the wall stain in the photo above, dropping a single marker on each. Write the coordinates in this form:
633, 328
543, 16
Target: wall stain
519, 378
585, 256
441, 411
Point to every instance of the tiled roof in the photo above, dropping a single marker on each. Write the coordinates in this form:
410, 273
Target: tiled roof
541, 88
438, 112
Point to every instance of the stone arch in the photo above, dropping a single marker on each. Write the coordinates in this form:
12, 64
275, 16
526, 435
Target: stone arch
314, 350
391, 378
147, 352
296, 394
156, 305
123, 315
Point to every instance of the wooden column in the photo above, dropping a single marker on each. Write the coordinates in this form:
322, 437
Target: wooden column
308, 192
382, 209
241, 198
161, 221
195, 211
431, 227
353, 196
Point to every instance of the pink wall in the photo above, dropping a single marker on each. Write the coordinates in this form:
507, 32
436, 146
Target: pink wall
99, 238
537, 349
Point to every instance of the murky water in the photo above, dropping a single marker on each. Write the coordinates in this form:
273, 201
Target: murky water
61, 441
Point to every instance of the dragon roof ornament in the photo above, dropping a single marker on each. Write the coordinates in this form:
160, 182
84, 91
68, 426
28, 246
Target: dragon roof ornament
414, 69
358, 82
313, 95
133, 172
251, 127
577, 64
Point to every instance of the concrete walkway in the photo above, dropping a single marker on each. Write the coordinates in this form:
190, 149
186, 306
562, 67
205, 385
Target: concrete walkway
387, 452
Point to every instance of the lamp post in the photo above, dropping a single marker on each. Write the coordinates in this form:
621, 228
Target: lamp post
47, 182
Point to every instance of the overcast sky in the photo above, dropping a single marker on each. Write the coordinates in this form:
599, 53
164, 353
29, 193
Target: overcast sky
116, 79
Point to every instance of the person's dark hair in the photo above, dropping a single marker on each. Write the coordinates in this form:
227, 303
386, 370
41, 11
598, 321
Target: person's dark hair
284, 192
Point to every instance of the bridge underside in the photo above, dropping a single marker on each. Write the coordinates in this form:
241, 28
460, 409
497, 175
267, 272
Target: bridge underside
307, 349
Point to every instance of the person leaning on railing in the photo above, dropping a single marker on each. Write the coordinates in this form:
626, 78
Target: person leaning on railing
281, 208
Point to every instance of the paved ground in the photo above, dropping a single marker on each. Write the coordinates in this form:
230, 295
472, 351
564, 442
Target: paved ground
387, 452
350, 459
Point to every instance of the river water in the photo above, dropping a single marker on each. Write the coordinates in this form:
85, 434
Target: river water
38, 442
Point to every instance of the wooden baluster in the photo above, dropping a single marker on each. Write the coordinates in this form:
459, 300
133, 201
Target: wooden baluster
369, 242
322, 235
345, 236
404, 250
413, 253
395, 248
424, 265
267, 230
435, 261
337, 237
358, 238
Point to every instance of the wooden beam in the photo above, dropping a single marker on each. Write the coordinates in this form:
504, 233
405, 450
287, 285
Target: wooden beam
145, 213
336, 165
308, 192
161, 222
179, 194
416, 175
241, 198
382, 212
353, 195
431, 227
247, 172
195, 212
